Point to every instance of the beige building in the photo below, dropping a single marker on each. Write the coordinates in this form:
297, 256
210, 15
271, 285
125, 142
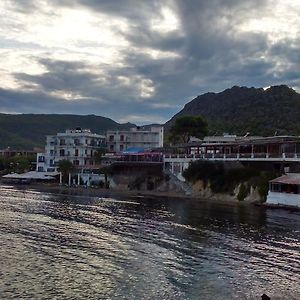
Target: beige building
137, 137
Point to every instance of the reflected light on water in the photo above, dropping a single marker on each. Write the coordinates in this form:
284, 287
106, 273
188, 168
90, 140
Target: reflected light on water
62, 246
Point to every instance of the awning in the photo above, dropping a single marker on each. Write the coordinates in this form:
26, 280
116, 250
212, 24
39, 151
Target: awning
286, 179
134, 150
32, 175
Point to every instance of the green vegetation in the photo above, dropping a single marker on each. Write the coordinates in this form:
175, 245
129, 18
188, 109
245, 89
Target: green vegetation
98, 155
29, 130
187, 126
17, 164
223, 180
263, 185
65, 167
243, 192
240, 110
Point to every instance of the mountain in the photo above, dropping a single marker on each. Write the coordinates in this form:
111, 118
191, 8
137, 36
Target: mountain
239, 110
26, 131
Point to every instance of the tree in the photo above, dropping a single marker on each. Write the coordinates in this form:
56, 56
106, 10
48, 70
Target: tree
187, 126
98, 155
18, 164
65, 167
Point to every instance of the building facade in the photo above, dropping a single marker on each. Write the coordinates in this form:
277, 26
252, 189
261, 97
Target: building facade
7, 153
76, 145
285, 190
137, 137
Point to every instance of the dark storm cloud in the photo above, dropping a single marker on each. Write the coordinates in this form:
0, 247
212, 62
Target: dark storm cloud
60, 76
207, 52
131, 9
25, 6
12, 101
98, 92
207, 45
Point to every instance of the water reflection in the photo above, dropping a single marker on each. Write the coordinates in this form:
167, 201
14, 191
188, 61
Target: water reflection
58, 246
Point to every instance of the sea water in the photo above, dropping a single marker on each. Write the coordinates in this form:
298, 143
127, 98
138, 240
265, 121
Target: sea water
79, 247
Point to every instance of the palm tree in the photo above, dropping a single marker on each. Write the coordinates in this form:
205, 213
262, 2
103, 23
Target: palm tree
66, 167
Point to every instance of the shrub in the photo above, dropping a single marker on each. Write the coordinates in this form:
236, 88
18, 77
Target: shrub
203, 170
101, 184
243, 192
221, 180
263, 186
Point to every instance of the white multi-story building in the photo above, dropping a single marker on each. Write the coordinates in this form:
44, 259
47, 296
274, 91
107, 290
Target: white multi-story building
137, 137
76, 145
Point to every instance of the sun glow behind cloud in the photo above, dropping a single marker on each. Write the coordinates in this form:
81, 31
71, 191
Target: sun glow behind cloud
71, 29
280, 23
145, 54
167, 21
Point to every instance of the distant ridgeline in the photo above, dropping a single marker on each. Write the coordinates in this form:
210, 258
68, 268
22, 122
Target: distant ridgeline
239, 110
26, 131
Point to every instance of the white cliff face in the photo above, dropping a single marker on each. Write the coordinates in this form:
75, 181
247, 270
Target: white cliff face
253, 196
200, 190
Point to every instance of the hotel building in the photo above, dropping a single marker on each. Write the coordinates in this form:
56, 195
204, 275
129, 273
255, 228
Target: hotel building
76, 145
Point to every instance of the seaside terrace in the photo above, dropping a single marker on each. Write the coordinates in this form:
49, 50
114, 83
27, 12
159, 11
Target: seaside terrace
277, 148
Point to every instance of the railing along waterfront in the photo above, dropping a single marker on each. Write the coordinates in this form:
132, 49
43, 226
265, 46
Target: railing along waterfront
234, 156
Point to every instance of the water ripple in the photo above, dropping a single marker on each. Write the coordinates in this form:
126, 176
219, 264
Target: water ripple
75, 247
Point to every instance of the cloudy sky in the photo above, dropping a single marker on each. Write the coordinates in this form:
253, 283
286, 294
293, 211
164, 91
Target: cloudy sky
141, 60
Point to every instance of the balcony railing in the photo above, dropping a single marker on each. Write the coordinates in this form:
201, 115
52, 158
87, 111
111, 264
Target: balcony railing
235, 156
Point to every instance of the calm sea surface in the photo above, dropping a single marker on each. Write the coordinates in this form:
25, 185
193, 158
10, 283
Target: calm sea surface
66, 247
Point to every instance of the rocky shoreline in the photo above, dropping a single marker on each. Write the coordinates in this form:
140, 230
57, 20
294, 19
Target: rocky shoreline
121, 194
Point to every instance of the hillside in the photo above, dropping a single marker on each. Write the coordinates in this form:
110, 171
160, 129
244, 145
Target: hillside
26, 131
239, 110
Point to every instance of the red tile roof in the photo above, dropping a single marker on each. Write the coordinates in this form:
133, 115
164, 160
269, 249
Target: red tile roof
286, 179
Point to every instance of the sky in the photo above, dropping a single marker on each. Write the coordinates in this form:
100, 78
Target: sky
141, 61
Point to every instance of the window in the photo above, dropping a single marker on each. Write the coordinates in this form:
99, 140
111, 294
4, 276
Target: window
62, 152
111, 147
121, 147
62, 142
122, 138
275, 187
76, 152
41, 159
111, 138
76, 162
40, 169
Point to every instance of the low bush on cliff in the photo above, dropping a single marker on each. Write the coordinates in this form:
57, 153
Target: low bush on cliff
243, 192
205, 171
221, 180
263, 185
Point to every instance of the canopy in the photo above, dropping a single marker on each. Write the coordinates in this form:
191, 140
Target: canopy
287, 179
134, 150
32, 175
